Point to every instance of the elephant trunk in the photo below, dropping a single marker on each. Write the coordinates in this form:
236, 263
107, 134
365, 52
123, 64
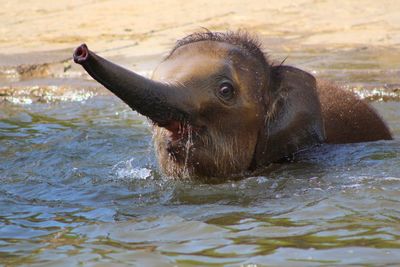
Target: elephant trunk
162, 103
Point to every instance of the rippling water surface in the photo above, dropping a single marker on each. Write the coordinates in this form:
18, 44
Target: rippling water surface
79, 185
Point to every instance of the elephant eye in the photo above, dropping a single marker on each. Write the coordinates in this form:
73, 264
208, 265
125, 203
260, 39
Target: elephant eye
226, 91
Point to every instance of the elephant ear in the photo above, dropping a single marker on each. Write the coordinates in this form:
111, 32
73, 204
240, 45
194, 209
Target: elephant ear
293, 119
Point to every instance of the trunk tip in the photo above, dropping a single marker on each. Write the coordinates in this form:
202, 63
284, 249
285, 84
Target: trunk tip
81, 54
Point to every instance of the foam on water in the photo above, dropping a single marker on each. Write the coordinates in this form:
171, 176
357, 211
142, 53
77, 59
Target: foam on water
126, 170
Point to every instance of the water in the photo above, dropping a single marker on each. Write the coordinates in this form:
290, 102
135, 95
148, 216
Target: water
79, 185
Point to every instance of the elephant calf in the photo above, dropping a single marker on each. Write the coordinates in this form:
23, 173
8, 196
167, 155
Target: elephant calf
219, 107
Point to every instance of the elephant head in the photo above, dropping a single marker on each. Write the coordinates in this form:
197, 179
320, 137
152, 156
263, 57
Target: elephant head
218, 106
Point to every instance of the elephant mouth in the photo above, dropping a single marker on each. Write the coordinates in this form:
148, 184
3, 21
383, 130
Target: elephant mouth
180, 138
177, 130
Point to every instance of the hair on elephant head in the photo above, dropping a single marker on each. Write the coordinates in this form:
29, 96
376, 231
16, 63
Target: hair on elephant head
219, 107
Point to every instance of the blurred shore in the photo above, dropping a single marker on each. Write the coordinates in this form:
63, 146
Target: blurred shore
150, 27
37, 37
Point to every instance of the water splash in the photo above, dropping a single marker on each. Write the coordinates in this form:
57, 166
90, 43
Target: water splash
127, 170
188, 146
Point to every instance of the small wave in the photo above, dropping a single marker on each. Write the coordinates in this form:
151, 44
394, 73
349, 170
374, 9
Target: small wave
125, 169
378, 94
46, 94
18, 100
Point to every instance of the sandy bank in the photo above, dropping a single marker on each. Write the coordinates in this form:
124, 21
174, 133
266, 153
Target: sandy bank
144, 27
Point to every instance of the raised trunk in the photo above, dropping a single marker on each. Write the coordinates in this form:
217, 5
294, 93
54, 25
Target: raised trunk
162, 103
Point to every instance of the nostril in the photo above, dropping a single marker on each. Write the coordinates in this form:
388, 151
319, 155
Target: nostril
81, 53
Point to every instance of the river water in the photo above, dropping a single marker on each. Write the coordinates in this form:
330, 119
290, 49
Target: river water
79, 184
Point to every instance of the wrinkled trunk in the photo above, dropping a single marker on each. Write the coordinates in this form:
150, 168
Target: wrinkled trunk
162, 103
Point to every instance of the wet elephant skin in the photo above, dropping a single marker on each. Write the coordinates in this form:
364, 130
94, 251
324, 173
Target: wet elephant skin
219, 107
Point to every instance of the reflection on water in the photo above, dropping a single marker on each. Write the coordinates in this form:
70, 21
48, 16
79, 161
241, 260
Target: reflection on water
79, 185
